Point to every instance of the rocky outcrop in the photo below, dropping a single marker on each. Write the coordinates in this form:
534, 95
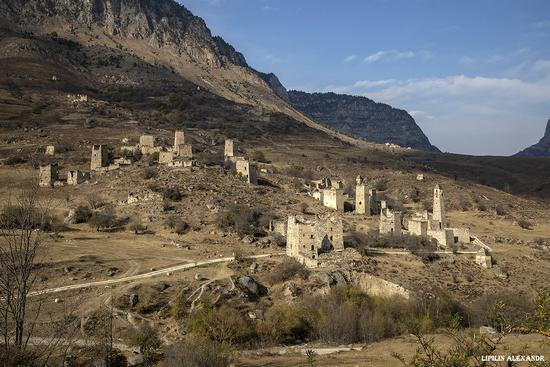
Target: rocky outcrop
541, 149
363, 118
276, 85
162, 23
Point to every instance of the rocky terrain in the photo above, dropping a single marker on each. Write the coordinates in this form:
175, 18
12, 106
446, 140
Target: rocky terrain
183, 259
541, 149
363, 118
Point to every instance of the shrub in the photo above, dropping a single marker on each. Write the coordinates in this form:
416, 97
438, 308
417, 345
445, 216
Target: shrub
259, 156
148, 342
102, 220
278, 240
15, 159
149, 173
286, 323
464, 203
95, 201
525, 223
414, 194
380, 184
82, 214
500, 210
181, 227
224, 325
197, 352
153, 158
299, 171
286, 270
172, 193
242, 219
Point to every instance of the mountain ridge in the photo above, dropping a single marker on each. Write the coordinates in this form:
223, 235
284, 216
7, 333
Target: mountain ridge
363, 118
540, 149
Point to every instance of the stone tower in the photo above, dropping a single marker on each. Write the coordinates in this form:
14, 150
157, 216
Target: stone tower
179, 139
48, 175
362, 204
439, 208
99, 157
230, 147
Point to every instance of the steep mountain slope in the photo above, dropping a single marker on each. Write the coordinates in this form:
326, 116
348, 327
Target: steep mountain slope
159, 33
363, 118
541, 149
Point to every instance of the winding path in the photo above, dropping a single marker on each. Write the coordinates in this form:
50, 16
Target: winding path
146, 275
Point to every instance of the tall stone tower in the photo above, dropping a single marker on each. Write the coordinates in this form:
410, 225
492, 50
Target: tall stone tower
230, 147
439, 207
99, 157
362, 204
179, 139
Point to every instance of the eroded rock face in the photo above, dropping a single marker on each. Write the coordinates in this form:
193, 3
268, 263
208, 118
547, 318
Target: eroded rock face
541, 149
163, 23
363, 118
251, 287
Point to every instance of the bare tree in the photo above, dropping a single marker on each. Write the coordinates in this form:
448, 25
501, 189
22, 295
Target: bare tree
22, 223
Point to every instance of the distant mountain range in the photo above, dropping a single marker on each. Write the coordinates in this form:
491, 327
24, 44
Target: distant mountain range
362, 117
541, 149
86, 39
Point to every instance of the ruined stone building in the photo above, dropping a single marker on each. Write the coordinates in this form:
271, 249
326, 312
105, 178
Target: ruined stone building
483, 259
333, 197
310, 237
246, 170
77, 177
166, 157
179, 139
50, 150
434, 225
365, 199
100, 157
48, 175
184, 151
230, 149
147, 144
391, 222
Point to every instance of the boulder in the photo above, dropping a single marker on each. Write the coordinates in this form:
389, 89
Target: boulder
134, 299
251, 287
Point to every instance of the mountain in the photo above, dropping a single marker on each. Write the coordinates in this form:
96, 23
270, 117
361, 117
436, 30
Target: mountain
158, 46
541, 149
363, 118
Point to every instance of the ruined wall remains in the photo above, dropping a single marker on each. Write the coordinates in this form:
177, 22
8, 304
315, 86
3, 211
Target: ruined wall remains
184, 151
483, 259
230, 148
444, 237
461, 234
418, 227
309, 237
390, 222
166, 157
179, 139
50, 150
100, 157
77, 177
147, 141
48, 175
334, 198
247, 171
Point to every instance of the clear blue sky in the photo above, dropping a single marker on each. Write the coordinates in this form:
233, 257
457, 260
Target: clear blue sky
475, 74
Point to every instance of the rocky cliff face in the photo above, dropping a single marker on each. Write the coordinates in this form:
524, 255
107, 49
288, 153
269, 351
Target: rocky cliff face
362, 117
162, 23
541, 149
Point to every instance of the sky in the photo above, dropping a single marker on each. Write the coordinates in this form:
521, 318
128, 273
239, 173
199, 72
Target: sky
475, 74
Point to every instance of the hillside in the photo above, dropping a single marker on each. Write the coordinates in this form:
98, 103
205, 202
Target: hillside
363, 118
540, 149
